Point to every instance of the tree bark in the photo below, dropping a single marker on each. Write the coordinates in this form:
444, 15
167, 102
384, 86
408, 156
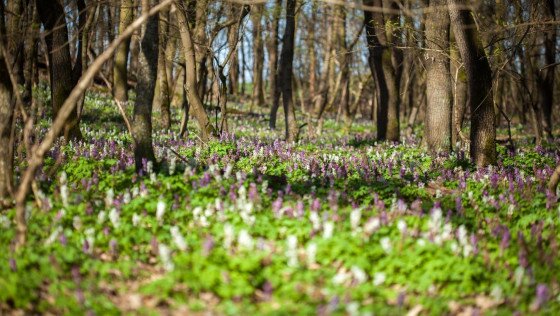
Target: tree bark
545, 79
384, 63
6, 118
479, 74
194, 101
120, 71
161, 95
258, 55
286, 68
438, 78
63, 77
145, 86
273, 43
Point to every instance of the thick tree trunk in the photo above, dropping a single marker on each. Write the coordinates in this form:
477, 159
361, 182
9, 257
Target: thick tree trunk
162, 96
120, 65
15, 21
145, 86
194, 101
285, 76
479, 74
438, 85
384, 64
545, 80
6, 117
62, 76
258, 55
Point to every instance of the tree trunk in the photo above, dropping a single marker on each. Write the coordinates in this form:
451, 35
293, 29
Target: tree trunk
438, 78
194, 101
383, 61
545, 79
161, 94
273, 62
233, 38
6, 117
145, 86
479, 74
258, 55
120, 71
285, 76
62, 76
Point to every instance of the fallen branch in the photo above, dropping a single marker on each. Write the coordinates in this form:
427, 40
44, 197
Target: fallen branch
36, 159
554, 180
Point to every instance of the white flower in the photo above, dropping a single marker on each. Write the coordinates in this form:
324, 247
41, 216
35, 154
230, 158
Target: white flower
77, 222
90, 238
101, 217
372, 225
291, 251
227, 172
114, 217
386, 244
315, 220
52, 237
160, 210
126, 197
178, 239
4, 222
64, 195
353, 308
328, 230
63, 177
165, 256
462, 235
135, 219
340, 277
359, 274
447, 231
229, 235
244, 240
401, 225
109, 196
311, 252
355, 217
172, 165
378, 278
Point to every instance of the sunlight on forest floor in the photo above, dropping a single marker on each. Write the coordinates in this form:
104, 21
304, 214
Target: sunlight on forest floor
251, 225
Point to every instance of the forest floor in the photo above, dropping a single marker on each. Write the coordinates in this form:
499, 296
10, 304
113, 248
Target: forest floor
251, 225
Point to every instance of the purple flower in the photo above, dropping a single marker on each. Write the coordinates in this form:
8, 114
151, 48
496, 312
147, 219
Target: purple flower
541, 295
315, 205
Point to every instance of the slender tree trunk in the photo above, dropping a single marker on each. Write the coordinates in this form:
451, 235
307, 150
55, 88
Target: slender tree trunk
479, 74
145, 86
438, 85
286, 68
120, 71
273, 62
62, 76
258, 55
194, 101
233, 38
